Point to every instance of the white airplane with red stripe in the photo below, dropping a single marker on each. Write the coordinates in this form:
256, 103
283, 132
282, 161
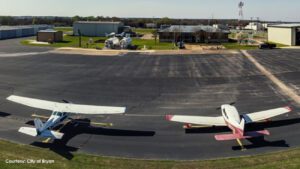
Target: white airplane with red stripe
231, 118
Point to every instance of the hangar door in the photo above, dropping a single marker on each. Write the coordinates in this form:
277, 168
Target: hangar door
298, 36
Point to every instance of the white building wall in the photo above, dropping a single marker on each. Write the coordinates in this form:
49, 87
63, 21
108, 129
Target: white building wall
282, 35
256, 26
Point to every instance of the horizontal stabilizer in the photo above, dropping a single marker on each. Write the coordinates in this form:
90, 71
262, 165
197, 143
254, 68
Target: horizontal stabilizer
47, 133
224, 137
252, 134
29, 131
52, 134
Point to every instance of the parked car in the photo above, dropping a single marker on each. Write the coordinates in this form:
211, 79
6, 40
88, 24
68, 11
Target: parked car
180, 45
267, 46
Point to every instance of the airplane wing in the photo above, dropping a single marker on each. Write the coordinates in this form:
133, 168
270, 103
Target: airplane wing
267, 114
66, 107
200, 120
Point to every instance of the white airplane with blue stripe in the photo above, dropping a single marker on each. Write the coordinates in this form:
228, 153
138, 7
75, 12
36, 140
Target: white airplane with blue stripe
60, 112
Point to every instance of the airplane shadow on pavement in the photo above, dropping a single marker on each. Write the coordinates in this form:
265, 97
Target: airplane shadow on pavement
72, 129
3, 114
257, 142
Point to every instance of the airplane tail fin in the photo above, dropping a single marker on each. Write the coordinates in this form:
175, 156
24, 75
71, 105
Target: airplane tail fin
40, 131
38, 124
247, 135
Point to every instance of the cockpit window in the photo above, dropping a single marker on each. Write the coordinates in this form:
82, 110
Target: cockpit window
59, 114
54, 113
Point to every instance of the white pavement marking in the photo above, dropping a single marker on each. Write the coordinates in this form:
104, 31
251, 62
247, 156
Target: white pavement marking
282, 86
144, 115
4, 55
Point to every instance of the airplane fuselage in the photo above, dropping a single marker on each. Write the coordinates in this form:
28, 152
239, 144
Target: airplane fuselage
233, 119
54, 120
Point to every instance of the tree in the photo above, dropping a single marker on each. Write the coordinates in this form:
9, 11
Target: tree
76, 18
155, 34
164, 21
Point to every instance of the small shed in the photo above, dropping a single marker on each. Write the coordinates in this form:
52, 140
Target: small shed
50, 36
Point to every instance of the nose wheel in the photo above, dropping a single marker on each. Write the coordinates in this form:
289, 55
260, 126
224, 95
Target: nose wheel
241, 145
47, 140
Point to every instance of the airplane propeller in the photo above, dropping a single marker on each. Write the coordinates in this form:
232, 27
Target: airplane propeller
66, 101
232, 103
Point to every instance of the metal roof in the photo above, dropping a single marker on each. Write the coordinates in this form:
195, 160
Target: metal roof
192, 28
5, 27
48, 30
14, 27
98, 22
294, 25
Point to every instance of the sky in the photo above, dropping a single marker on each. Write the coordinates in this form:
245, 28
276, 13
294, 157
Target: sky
271, 10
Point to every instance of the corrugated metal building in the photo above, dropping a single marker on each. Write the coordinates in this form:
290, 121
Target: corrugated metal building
97, 28
8, 32
287, 34
192, 34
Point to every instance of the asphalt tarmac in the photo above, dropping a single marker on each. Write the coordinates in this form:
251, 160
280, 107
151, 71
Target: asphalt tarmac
150, 87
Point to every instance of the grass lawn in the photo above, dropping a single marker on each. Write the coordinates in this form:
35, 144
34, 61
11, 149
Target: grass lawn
73, 41
143, 30
12, 151
278, 45
64, 29
234, 45
150, 44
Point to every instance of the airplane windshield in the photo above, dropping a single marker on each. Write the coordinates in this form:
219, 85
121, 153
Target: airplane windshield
225, 113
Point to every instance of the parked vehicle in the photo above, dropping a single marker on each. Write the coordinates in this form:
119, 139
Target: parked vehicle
267, 46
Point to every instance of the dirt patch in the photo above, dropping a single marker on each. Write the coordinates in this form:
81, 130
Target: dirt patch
147, 36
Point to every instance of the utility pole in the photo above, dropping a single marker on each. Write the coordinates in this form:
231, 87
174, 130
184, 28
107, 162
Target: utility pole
79, 33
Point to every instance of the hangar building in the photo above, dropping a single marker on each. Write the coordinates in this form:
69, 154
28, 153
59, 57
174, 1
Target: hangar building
193, 33
8, 32
287, 34
97, 28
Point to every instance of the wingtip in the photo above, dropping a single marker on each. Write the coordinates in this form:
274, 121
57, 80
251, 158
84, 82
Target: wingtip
169, 117
9, 97
289, 108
